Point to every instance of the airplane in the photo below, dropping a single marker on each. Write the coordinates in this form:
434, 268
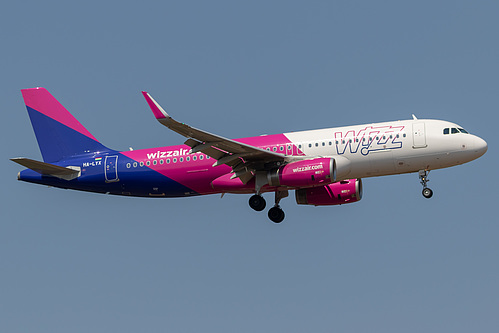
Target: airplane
324, 167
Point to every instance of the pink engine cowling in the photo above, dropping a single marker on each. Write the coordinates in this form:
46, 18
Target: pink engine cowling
345, 191
304, 173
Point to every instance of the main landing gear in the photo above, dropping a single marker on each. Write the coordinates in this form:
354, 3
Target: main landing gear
276, 214
423, 177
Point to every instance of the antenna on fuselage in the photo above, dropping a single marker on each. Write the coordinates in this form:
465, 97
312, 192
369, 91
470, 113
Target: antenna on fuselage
414, 117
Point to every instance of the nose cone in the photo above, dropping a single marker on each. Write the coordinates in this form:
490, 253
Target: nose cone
480, 146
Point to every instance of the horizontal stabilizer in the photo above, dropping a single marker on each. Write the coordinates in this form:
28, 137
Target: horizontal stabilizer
47, 169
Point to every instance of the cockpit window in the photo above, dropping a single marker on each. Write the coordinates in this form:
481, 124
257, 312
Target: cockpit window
455, 130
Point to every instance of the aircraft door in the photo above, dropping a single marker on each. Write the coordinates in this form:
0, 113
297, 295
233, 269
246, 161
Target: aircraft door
418, 135
111, 169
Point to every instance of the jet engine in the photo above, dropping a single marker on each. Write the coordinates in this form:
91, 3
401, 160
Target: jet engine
345, 191
311, 172
304, 173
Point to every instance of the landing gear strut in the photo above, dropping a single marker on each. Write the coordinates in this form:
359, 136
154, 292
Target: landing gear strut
423, 177
276, 214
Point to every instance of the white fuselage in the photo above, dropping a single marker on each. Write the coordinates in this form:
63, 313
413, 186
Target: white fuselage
392, 147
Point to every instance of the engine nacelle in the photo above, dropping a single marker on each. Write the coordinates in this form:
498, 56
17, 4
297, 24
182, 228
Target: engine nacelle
305, 173
345, 191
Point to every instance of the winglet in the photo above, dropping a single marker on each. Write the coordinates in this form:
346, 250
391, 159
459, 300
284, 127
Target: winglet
158, 111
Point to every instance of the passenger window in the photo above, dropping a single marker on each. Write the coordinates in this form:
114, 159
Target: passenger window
155, 162
148, 163
161, 161
128, 165
317, 144
181, 159
167, 161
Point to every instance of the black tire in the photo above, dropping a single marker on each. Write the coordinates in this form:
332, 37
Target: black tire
427, 193
276, 214
257, 202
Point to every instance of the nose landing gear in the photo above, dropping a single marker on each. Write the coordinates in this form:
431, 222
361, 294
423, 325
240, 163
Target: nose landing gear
423, 177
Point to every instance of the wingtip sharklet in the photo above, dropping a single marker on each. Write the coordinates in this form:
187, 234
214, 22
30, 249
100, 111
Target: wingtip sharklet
157, 110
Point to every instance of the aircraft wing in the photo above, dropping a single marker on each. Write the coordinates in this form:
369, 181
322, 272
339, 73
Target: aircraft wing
244, 159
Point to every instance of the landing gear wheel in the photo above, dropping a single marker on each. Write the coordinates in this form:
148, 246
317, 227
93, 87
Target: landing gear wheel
276, 214
427, 193
423, 177
257, 202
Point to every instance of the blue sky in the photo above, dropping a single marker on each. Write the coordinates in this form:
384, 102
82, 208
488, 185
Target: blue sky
393, 262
